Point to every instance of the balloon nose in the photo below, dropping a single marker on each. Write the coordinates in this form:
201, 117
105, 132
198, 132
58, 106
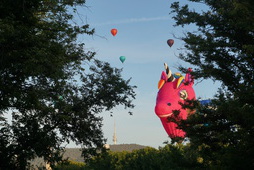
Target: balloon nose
169, 104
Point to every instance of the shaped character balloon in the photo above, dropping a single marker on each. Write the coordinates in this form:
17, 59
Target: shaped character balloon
122, 58
170, 42
173, 90
113, 31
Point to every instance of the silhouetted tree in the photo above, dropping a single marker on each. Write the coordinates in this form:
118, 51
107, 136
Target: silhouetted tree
222, 48
51, 88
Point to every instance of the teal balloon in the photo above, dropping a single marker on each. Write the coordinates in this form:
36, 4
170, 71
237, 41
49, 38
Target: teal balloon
206, 124
122, 58
60, 97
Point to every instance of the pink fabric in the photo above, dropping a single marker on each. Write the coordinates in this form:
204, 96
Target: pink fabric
168, 99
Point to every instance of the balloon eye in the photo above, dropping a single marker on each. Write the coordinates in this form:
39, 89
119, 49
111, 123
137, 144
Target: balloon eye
169, 104
183, 94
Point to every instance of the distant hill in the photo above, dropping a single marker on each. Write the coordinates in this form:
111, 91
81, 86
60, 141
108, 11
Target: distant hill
125, 147
74, 154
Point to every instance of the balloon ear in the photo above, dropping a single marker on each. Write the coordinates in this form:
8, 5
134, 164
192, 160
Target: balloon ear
163, 79
188, 77
161, 83
179, 81
164, 76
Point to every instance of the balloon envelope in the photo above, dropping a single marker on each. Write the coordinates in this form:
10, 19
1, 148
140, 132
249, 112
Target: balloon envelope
169, 98
205, 102
60, 97
122, 58
170, 42
114, 31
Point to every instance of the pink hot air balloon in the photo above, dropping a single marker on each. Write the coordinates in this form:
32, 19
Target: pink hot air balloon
170, 42
173, 89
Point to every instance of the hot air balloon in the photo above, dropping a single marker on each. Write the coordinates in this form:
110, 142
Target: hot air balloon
114, 31
205, 102
174, 90
170, 42
60, 97
122, 58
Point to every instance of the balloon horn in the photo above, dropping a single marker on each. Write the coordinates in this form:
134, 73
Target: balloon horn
169, 73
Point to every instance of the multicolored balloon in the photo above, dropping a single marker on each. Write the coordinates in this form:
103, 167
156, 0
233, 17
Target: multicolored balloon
114, 31
173, 90
122, 58
170, 42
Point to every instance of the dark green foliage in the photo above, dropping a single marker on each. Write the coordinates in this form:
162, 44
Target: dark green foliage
51, 89
222, 48
224, 33
70, 165
168, 157
220, 132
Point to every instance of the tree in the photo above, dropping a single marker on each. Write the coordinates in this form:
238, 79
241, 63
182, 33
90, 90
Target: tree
51, 88
167, 157
222, 48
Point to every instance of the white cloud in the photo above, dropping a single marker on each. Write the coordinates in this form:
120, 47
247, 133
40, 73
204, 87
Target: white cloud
132, 20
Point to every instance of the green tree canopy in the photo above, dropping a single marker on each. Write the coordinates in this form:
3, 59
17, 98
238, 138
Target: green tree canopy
51, 88
222, 48
165, 158
224, 33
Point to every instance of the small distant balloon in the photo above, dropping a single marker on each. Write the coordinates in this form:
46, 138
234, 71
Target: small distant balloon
122, 58
60, 97
170, 42
206, 124
114, 31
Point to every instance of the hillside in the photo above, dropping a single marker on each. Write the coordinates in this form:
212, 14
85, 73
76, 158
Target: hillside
74, 154
125, 147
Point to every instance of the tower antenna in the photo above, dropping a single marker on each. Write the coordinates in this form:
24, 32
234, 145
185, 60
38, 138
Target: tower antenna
114, 136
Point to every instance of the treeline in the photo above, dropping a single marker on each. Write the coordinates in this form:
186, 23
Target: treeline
168, 157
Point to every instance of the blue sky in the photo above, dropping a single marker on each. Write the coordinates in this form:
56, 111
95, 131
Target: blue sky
144, 26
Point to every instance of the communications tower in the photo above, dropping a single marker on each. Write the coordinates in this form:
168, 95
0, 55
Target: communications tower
114, 135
